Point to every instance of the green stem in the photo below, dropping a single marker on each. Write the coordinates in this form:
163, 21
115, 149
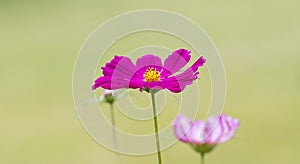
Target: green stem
156, 129
202, 158
113, 122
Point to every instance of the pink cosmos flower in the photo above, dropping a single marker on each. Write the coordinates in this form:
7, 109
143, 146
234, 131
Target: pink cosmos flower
203, 136
149, 72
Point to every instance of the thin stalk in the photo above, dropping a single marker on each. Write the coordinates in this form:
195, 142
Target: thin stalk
156, 129
113, 122
202, 158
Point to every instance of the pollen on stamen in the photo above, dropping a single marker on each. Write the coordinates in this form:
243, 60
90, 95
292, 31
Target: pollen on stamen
151, 74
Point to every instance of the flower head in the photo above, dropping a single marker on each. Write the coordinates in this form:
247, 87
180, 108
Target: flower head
149, 72
204, 136
111, 95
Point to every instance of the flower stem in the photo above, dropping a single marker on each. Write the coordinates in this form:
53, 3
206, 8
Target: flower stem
113, 122
202, 158
156, 129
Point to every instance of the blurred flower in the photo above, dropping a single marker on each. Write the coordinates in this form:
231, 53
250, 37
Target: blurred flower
111, 95
149, 72
204, 136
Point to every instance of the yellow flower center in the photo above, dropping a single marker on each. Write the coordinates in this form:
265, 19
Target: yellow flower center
151, 75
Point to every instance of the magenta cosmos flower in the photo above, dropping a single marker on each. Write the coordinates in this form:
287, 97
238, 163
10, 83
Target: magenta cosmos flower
149, 72
204, 136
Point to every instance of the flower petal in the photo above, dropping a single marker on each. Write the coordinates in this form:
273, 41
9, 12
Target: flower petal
176, 61
148, 61
213, 130
117, 74
196, 132
229, 125
199, 62
220, 129
179, 82
107, 82
181, 127
108, 92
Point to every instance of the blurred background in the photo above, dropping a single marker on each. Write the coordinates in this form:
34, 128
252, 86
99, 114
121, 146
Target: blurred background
39, 41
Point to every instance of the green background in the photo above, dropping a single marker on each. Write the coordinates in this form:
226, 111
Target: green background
39, 41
